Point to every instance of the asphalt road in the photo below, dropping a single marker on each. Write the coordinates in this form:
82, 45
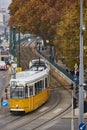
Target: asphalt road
63, 124
4, 81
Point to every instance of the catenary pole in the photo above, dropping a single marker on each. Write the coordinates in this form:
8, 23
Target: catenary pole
81, 68
14, 41
19, 64
72, 121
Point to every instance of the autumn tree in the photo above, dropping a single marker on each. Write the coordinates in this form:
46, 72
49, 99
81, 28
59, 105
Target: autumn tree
67, 38
55, 20
38, 17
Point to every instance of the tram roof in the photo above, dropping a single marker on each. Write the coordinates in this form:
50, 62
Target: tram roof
30, 76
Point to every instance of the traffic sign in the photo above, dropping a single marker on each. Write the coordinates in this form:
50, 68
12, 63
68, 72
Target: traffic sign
4, 103
75, 78
82, 126
9, 58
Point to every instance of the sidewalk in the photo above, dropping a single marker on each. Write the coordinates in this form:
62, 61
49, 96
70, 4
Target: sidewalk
75, 114
5, 97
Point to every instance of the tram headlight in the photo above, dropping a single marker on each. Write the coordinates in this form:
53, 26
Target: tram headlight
17, 106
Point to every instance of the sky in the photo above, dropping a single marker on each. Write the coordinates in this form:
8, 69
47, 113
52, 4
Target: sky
4, 4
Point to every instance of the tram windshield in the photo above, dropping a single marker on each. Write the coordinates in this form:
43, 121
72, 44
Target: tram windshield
17, 91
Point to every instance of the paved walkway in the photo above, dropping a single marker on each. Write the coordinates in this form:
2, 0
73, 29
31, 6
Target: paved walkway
5, 97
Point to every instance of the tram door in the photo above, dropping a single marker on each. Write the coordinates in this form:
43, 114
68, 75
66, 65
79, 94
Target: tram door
31, 97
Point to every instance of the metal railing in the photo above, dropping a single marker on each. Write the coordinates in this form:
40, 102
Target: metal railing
56, 65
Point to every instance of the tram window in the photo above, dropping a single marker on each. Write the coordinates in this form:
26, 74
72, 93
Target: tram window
42, 84
14, 93
36, 87
21, 93
17, 92
30, 90
26, 91
46, 82
39, 86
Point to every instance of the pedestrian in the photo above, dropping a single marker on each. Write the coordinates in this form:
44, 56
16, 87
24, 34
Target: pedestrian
1, 101
67, 69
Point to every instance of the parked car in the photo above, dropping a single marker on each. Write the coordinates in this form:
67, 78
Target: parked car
3, 65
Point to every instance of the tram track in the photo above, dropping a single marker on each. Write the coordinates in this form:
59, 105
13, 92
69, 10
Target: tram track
48, 117
55, 107
54, 103
26, 56
12, 118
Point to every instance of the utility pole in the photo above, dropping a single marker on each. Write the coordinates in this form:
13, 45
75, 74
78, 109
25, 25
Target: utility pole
14, 41
11, 40
72, 121
81, 68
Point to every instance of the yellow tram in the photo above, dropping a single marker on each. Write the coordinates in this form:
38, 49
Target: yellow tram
30, 89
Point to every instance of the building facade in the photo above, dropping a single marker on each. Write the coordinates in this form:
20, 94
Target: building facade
2, 21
